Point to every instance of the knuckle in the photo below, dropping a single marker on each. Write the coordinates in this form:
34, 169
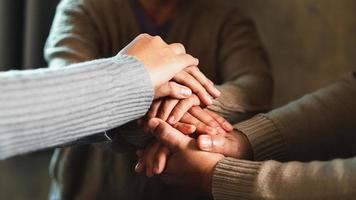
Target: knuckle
181, 46
144, 35
212, 123
157, 38
171, 86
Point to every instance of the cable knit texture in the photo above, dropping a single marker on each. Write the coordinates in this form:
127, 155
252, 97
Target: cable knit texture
48, 107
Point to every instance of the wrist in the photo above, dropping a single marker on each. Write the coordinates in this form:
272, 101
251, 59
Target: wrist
244, 148
208, 183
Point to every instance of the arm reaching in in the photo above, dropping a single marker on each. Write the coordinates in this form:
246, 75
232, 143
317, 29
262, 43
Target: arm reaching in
48, 107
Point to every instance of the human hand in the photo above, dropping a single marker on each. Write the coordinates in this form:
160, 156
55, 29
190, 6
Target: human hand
234, 144
204, 88
187, 166
174, 111
161, 60
201, 121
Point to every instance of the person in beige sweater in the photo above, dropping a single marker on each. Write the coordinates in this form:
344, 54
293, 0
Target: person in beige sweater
230, 54
303, 150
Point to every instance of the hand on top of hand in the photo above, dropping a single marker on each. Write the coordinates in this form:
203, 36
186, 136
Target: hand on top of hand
193, 158
170, 62
186, 166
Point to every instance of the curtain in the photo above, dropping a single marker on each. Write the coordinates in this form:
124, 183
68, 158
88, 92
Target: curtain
24, 27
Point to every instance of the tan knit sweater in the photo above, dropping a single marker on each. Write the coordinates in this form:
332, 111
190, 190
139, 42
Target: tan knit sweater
314, 142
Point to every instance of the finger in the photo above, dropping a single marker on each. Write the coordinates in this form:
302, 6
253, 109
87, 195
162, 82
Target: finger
152, 112
184, 61
204, 117
161, 160
217, 144
139, 153
157, 39
166, 108
140, 166
174, 90
189, 81
168, 135
204, 81
201, 128
150, 154
177, 48
221, 120
182, 107
140, 121
185, 128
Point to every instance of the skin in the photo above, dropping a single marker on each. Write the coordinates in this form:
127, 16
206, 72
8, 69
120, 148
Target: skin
154, 157
162, 62
199, 156
196, 174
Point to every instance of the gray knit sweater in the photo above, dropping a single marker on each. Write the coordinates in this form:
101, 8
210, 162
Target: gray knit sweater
48, 107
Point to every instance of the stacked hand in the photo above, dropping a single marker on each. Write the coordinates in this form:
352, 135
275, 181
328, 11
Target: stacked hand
179, 85
178, 111
191, 162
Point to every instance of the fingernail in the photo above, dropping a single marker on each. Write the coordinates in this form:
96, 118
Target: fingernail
138, 167
220, 130
186, 92
228, 126
171, 120
217, 92
211, 130
205, 143
210, 100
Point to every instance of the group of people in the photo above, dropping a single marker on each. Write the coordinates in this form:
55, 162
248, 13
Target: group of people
186, 108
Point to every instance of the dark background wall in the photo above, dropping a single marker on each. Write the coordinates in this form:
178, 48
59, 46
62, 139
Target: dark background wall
310, 42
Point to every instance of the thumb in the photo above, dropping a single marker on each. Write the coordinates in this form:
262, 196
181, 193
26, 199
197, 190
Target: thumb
169, 136
173, 90
217, 144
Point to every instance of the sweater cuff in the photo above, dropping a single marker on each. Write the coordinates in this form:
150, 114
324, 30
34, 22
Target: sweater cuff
132, 94
234, 179
265, 139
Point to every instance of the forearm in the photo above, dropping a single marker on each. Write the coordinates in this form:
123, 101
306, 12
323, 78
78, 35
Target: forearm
244, 97
49, 107
318, 126
238, 179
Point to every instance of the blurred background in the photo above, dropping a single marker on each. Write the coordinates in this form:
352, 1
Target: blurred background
310, 42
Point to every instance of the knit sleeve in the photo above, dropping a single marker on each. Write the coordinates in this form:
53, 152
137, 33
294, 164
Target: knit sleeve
319, 126
244, 67
74, 36
48, 107
240, 179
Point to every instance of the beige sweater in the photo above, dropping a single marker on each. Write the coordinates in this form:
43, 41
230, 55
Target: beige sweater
314, 141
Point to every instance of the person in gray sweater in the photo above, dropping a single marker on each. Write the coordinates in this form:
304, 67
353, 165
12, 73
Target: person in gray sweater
52, 106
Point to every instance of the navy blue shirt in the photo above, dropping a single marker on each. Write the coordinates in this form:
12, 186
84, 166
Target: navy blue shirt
145, 24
